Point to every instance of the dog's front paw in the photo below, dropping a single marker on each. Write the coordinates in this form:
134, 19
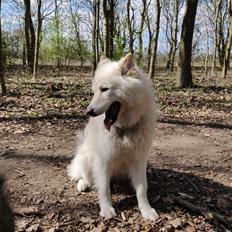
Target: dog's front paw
149, 214
82, 185
108, 212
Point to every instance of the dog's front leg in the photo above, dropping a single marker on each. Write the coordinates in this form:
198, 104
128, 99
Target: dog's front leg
102, 176
139, 180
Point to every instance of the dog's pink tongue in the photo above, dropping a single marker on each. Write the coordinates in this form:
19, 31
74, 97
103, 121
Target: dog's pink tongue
108, 123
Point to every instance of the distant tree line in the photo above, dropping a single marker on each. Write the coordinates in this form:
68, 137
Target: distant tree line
61, 32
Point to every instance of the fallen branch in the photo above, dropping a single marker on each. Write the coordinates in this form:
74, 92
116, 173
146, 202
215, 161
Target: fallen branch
201, 210
26, 211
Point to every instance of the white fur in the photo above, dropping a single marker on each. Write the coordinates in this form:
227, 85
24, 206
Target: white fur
102, 153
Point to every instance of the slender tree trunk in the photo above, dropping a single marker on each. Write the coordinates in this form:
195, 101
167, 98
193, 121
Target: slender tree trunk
221, 46
2, 78
216, 19
106, 29
37, 40
229, 41
57, 23
29, 35
168, 65
150, 32
140, 33
111, 28
184, 72
155, 40
94, 60
207, 48
130, 21
97, 31
176, 10
24, 55
95, 34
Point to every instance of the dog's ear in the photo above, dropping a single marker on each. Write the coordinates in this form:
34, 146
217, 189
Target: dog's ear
103, 60
126, 63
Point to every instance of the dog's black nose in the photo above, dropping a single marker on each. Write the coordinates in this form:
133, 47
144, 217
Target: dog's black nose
91, 112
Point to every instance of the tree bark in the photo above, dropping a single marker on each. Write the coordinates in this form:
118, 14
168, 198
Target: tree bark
106, 29
37, 40
57, 24
29, 35
150, 33
216, 19
207, 48
184, 72
155, 40
2, 78
111, 27
95, 34
130, 23
173, 55
229, 42
140, 32
221, 46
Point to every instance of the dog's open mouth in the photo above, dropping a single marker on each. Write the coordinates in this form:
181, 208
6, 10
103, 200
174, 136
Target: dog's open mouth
112, 115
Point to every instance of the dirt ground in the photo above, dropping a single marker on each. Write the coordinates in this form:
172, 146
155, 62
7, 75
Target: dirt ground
190, 171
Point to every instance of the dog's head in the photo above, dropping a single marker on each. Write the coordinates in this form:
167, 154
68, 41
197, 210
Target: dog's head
116, 86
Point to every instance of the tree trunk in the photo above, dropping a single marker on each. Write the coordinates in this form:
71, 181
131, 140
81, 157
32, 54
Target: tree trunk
95, 34
155, 40
216, 20
184, 72
97, 31
150, 33
57, 23
29, 35
130, 22
106, 29
2, 78
207, 48
140, 33
111, 28
173, 55
37, 41
229, 41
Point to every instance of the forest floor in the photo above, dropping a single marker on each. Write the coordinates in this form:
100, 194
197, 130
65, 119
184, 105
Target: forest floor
189, 178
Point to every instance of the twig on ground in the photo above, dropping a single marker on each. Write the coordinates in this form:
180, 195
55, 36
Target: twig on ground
201, 210
26, 211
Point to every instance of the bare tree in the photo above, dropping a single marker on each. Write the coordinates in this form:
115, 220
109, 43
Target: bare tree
171, 11
131, 25
150, 34
184, 71
229, 41
29, 35
37, 40
95, 33
57, 25
2, 79
106, 29
155, 40
112, 5
141, 28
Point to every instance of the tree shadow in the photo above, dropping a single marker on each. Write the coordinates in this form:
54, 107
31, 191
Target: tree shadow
177, 121
166, 190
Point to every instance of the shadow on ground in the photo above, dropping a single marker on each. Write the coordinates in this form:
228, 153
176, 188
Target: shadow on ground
171, 192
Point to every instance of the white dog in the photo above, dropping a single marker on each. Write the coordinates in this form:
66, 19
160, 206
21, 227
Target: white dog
119, 134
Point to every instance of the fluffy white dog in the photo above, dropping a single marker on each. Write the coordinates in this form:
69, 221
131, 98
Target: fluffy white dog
118, 136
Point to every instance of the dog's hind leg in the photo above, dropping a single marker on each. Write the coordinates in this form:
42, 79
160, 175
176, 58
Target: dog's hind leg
139, 180
80, 171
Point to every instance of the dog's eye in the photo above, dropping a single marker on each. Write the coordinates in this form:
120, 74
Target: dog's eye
104, 89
